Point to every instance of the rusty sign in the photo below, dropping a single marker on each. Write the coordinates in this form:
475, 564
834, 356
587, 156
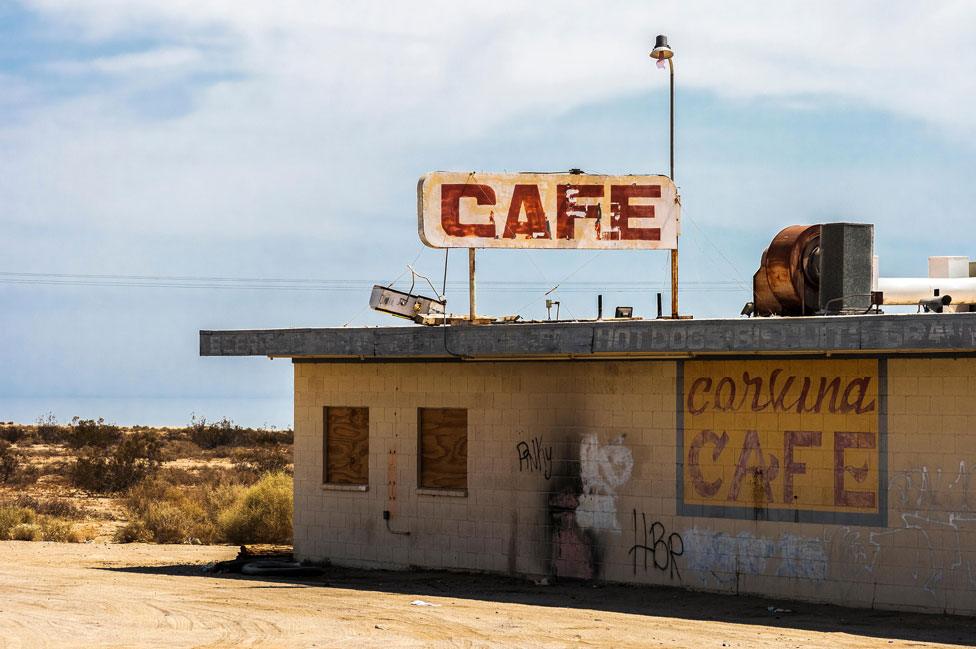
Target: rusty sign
793, 440
547, 210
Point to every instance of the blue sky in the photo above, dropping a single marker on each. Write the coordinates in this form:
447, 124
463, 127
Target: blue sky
217, 139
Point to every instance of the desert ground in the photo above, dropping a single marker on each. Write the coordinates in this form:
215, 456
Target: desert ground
143, 595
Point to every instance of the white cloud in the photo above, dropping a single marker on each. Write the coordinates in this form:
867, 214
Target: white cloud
147, 62
307, 92
496, 60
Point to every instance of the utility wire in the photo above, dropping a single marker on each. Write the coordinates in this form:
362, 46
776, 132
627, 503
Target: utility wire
362, 285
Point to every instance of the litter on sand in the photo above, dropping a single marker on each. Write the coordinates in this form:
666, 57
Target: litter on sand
420, 602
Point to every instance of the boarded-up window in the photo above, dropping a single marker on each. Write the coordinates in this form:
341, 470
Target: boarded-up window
443, 445
346, 446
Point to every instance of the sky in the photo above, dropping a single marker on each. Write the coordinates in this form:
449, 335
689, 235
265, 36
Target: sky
142, 140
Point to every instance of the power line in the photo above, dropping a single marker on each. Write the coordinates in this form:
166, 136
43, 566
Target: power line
201, 282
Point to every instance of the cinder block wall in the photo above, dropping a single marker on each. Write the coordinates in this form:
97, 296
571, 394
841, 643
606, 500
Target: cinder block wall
605, 470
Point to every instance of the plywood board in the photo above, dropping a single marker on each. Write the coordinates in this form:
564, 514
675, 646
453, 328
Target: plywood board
346, 446
443, 448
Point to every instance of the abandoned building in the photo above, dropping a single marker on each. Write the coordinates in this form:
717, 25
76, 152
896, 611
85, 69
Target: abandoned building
825, 453
821, 458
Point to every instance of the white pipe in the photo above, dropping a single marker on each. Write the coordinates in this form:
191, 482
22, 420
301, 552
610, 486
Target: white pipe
909, 290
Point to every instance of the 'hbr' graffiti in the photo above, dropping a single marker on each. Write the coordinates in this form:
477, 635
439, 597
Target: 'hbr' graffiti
535, 457
656, 546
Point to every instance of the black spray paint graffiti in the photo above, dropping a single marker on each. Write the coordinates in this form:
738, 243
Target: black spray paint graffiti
535, 457
662, 548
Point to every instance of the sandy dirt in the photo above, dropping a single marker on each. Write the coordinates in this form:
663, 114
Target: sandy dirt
98, 595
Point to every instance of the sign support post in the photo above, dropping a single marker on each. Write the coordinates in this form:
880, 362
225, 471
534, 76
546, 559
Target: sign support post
471, 299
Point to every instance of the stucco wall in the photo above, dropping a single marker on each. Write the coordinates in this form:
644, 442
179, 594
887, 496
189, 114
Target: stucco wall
862, 495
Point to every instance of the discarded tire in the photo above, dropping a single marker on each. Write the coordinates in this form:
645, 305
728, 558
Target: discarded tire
279, 569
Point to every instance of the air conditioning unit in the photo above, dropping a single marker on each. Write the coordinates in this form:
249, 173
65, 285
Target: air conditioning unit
405, 305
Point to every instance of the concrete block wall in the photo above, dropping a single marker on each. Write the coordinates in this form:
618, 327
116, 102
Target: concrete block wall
574, 471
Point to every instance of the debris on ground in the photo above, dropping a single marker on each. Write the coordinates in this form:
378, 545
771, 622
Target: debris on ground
251, 553
278, 568
420, 602
265, 560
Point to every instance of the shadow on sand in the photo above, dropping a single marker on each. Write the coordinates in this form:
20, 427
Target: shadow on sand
656, 601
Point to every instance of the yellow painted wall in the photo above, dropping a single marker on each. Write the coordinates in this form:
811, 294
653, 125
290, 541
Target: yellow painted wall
781, 439
581, 469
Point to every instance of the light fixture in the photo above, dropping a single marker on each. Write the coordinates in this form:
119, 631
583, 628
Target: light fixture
661, 49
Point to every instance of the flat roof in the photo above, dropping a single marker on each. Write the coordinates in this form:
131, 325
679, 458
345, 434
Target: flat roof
930, 333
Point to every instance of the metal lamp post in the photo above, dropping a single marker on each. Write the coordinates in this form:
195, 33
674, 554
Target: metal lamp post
661, 52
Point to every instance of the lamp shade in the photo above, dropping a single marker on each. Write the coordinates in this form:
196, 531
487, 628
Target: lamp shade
661, 49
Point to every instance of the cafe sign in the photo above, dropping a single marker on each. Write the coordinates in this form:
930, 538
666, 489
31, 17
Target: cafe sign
783, 439
548, 210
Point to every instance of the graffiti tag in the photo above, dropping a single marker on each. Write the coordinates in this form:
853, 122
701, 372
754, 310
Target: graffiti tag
535, 457
602, 470
656, 546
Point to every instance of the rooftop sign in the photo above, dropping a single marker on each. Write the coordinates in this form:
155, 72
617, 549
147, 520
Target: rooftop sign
547, 210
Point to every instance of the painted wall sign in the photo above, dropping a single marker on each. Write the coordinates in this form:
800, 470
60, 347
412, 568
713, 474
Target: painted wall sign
786, 440
541, 210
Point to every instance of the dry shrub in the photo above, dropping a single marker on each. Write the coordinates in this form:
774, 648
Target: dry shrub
204, 475
163, 512
26, 532
135, 531
213, 435
210, 435
20, 523
82, 533
175, 449
14, 470
176, 475
181, 521
12, 516
55, 529
263, 459
135, 458
59, 530
56, 507
263, 436
13, 433
27, 475
167, 513
55, 467
263, 514
10, 461
94, 433
48, 431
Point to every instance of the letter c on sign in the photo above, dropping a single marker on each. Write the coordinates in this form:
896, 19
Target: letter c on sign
706, 386
451, 195
705, 489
